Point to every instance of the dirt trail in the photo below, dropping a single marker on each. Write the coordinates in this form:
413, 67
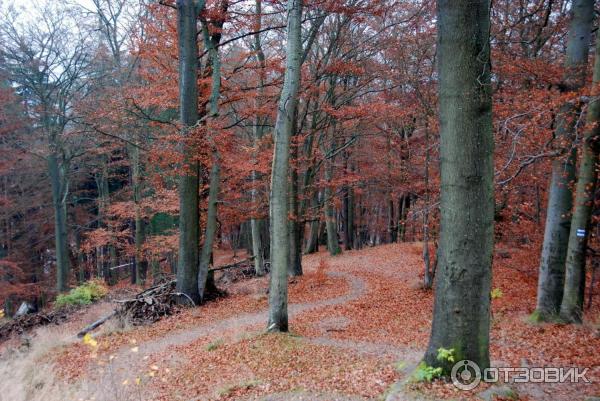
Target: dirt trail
126, 365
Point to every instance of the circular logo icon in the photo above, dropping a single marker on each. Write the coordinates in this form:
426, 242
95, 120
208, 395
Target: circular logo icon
465, 375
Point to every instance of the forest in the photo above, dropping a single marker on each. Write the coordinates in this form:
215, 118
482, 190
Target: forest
321, 200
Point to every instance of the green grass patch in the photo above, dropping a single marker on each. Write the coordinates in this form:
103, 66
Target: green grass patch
84, 294
214, 345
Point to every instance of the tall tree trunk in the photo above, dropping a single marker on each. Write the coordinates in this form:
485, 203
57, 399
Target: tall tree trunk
294, 223
211, 228
103, 202
348, 217
461, 317
428, 276
141, 264
391, 230
189, 225
278, 315
211, 42
257, 133
404, 205
333, 245
59, 183
560, 201
312, 244
571, 309
257, 246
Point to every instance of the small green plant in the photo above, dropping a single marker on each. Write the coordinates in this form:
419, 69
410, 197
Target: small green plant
445, 355
426, 373
496, 293
214, 345
84, 294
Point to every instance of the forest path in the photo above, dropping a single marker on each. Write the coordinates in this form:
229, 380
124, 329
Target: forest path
126, 364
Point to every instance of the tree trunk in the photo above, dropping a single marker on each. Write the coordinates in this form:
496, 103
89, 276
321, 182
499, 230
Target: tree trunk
211, 228
278, 315
571, 309
294, 224
404, 205
312, 245
187, 269
333, 245
141, 263
560, 201
211, 42
461, 318
258, 131
428, 276
348, 218
58, 181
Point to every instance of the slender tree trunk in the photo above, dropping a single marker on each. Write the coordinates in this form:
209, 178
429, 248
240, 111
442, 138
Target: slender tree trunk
155, 270
348, 217
103, 202
141, 263
560, 201
189, 225
330, 219
295, 263
58, 181
211, 42
461, 317
211, 228
404, 204
428, 277
255, 223
571, 309
278, 315
312, 245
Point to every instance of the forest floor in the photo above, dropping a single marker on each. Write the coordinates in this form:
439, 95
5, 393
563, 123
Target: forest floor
359, 323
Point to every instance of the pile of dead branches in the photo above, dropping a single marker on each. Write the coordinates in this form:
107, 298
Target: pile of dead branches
242, 270
163, 300
152, 304
27, 322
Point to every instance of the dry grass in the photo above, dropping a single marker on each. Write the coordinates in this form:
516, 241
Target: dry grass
26, 374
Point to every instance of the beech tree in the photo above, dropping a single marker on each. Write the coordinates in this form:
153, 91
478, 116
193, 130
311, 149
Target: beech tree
288, 101
560, 200
571, 308
211, 43
461, 316
189, 223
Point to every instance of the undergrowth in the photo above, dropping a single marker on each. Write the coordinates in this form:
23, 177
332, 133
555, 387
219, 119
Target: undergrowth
84, 294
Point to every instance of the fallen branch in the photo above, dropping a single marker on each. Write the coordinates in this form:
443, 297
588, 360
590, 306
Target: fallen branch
96, 324
231, 266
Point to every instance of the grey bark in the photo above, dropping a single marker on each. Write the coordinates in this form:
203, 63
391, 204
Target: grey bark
295, 226
348, 217
60, 190
211, 228
333, 245
103, 203
571, 309
560, 199
278, 316
141, 264
258, 131
312, 244
461, 318
211, 42
428, 276
189, 225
